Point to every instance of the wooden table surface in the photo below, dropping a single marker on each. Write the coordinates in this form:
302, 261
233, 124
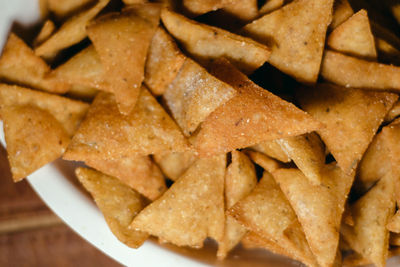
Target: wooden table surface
31, 235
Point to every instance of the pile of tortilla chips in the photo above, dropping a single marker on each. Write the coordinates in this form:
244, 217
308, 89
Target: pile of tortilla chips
271, 124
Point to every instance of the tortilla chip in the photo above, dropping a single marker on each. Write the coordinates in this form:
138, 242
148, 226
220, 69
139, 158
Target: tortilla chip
358, 73
341, 12
393, 113
244, 10
174, 164
33, 137
66, 8
128, 35
319, 208
18, 64
118, 203
394, 239
272, 149
46, 31
192, 208
354, 37
240, 180
298, 31
355, 259
198, 7
394, 224
68, 112
194, 94
82, 92
164, 60
267, 163
71, 32
346, 136
308, 153
270, 6
206, 43
387, 53
369, 236
253, 116
267, 212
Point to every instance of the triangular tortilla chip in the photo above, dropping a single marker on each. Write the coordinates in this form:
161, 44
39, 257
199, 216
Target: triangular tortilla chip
254, 115
128, 36
71, 32
319, 208
341, 12
295, 31
267, 163
192, 208
206, 43
194, 94
174, 164
164, 60
393, 113
198, 7
46, 31
33, 137
270, 6
308, 153
272, 149
358, 73
62, 9
148, 129
354, 37
240, 180
267, 212
118, 203
369, 236
346, 135
68, 112
244, 10
19, 64
394, 224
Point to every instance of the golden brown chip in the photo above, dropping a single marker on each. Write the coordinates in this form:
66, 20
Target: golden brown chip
267, 163
192, 208
164, 60
358, 73
253, 116
267, 212
83, 92
270, 6
393, 113
369, 236
198, 7
394, 224
148, 129
354, 37
174, 164
355, 259
71, 32
308, 153
346, 135
131, 2
319, 208
206, 43
387, 52
68, 112
65, 8
128, 36
19, 64
271, 149
295, 31
244, 10
33, 137
45, 32
118, 203
341, 12
240, 180
347, 216
194, 94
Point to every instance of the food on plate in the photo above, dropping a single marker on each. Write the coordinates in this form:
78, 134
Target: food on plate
271, 124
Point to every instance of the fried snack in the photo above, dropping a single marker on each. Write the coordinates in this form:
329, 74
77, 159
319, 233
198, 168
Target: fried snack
267, 163
393, 113
194, 94
118, 203
65, 8
270, 6
131, 2
46, 31
198, 7
192, 208
267, 212
164, 60
387, 53
354, 37
71, 32
174, 164
253, 116
68, 112
33, 137
206, 43
308, 153
147, 130
123, 33
358, 73
295, 31
369, 236
240, 180
244, 10
272, 149
319, 207
341, 12
346, 136
394, 224
19, 64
